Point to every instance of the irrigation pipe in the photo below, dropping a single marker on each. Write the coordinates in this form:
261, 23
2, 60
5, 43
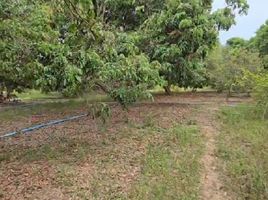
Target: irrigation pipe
44, 125
55, 122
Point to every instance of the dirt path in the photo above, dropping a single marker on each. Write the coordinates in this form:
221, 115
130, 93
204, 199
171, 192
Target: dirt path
211, 187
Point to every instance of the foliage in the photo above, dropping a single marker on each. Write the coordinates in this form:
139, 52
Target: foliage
22, 27
100, 110
127, 78
260, 41
237, 43
181, 35
121, 47
261, 92
227, 68
260, 81
73, 54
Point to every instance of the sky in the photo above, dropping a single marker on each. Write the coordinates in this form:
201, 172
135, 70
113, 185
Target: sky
246, 26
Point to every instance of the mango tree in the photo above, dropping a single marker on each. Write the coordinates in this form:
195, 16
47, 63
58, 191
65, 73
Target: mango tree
121, 47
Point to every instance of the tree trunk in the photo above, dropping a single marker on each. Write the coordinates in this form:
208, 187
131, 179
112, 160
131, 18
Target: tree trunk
1, 97
167, 90
9, 94
194, 90
228, 95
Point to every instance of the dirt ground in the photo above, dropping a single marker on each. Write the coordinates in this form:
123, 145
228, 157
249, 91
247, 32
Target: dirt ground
25, 173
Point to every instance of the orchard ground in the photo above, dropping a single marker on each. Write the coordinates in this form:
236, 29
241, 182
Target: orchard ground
184, 146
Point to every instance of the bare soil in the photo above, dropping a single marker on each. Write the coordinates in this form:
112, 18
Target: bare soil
211, 187
23, 175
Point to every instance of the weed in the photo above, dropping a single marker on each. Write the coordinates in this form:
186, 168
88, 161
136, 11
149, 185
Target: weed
65, 175
171, 166
243, 150
148, 121
37, 95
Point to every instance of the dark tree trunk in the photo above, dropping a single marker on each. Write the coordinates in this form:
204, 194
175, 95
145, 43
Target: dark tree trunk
194, 90
167, 90
1, 97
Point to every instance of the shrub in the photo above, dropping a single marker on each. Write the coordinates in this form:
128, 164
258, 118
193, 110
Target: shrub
226, 69
261, 93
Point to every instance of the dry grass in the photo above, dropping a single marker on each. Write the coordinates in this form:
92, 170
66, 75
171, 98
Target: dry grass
142, 154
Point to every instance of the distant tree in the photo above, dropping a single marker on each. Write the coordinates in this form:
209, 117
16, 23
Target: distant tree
181, 34
260, 41
237, 43
227, 68
260, 91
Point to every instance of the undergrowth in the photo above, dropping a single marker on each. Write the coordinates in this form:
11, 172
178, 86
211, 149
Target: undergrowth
243, 150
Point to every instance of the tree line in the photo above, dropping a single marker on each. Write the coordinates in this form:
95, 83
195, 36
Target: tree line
241, 66
120, 47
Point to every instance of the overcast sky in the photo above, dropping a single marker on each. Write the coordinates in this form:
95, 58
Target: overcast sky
246, 25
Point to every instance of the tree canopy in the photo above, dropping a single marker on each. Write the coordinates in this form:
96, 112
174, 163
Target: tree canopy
227, 68
260, 43
237, 43
120, 47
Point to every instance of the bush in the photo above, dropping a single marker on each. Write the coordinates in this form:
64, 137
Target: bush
261, 93
226, 69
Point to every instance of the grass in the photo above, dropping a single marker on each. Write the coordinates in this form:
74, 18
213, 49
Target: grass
52, 107
61, 149
243, 150
139, 161
55, 106
38, 95
166, 168
171, 167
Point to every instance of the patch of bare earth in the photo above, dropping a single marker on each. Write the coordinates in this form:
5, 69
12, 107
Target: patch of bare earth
211, 187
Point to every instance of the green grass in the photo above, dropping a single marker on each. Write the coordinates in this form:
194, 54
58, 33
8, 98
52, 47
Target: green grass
171, 166
243, 150
38, 95
26, 111
55, 106
34, 95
